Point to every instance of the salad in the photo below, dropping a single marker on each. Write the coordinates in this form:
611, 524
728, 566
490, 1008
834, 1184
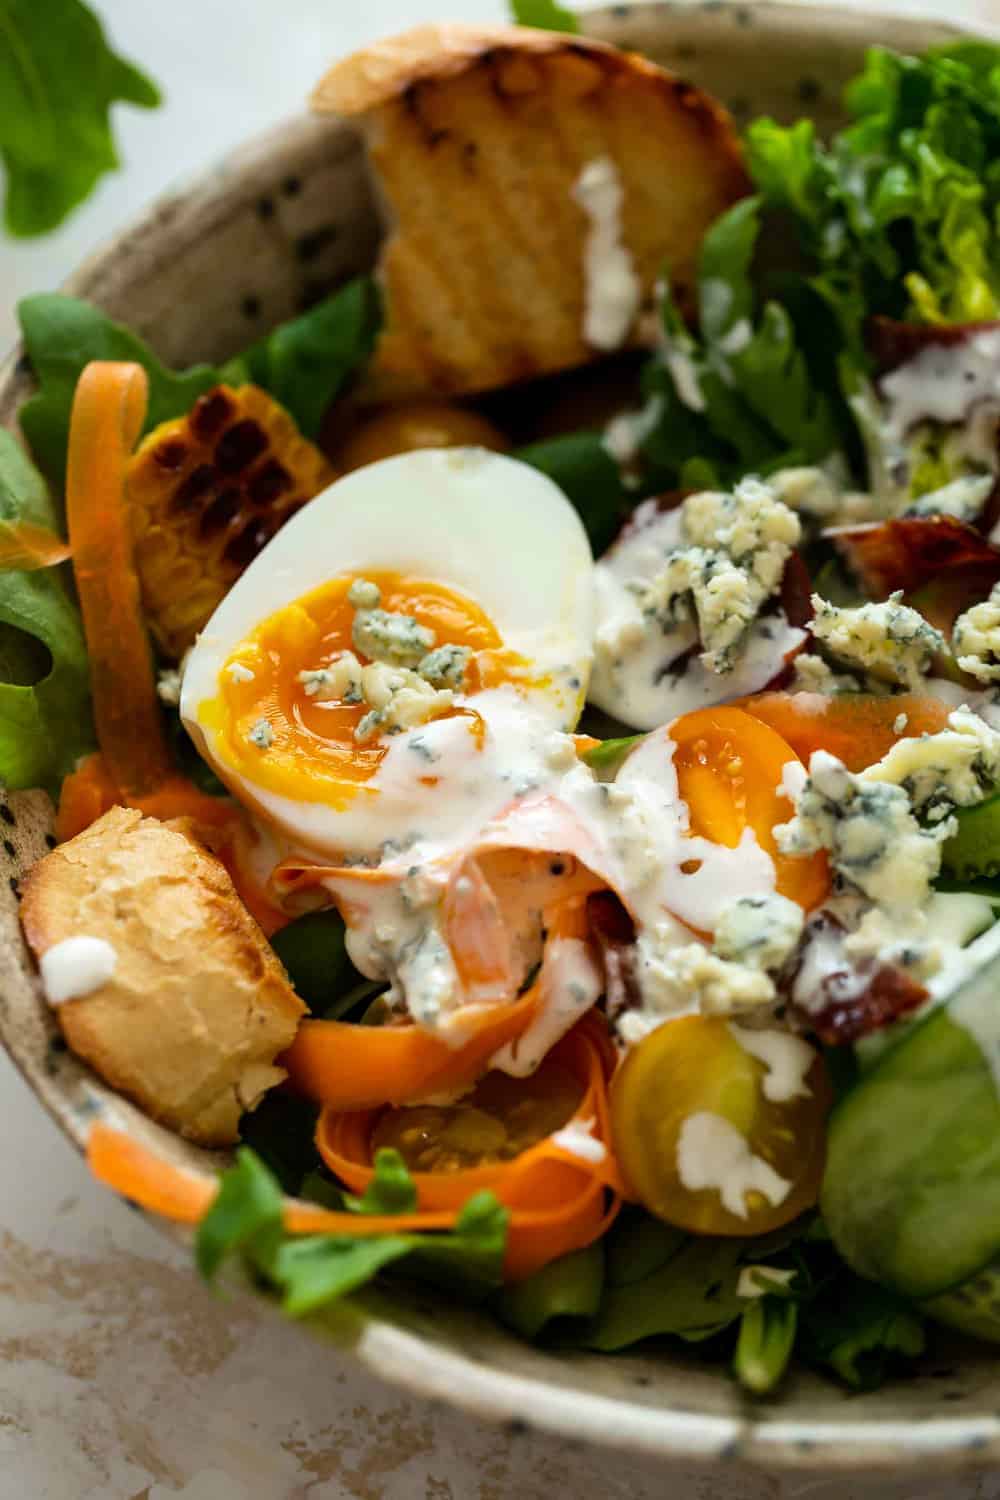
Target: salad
551, 827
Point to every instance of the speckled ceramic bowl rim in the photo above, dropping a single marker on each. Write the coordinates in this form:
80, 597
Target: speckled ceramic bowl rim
523, 1402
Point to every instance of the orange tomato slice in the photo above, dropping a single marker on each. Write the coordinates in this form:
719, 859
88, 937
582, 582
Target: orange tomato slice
729, 768
857, 728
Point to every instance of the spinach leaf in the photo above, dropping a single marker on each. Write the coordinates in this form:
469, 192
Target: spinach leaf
61, 336
58, 81
861, 1331
557, 1301
281, 1131
314, 952
305, 363
590, 479
45, 722
548, 14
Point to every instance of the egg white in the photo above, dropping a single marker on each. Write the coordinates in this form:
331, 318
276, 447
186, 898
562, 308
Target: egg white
479, 523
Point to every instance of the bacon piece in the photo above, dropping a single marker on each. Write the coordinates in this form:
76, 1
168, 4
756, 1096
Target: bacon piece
892, 344
914, 550
613, 931
848, 1000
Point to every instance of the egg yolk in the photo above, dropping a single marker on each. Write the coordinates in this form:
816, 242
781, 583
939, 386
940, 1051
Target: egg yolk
272, 733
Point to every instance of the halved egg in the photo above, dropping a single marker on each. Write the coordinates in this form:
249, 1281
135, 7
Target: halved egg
466, 580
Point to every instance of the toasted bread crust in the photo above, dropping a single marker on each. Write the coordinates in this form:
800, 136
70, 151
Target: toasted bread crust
198, 1006
438, 50
476, 138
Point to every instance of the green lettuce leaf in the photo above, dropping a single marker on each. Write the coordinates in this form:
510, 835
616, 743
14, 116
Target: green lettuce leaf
743, 395
309, 1272
45, 722
899, 214
58, 81
548, 14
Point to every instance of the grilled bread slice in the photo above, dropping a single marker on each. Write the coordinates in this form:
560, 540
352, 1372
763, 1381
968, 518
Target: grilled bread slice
197, 1006
478, 138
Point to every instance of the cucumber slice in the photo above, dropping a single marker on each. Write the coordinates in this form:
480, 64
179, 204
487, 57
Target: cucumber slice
911, 1194
973, 852
972, 1308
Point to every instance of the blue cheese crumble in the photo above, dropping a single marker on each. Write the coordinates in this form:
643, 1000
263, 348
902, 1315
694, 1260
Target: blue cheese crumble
875, 843
890, 641
446, 666
975, 639
957, 767
382, 635
761, 931
735, 547
261, 735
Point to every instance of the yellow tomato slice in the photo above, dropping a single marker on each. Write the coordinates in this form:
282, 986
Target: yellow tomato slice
694, 1066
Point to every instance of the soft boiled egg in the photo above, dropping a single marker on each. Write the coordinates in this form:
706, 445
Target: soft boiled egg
462, 553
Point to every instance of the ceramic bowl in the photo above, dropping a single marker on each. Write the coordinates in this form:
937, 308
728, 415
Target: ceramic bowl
294, 213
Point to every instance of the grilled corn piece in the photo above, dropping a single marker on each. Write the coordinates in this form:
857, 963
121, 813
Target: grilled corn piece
207, 491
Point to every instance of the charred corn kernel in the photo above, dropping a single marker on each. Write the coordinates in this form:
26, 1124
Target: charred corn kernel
207, 492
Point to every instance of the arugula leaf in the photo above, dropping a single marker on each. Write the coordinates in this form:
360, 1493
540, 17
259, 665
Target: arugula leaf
58, 81
45, 722
305, 363
246, 1213
607, 757
308, 1272
547, 14
61, 336
391, 1190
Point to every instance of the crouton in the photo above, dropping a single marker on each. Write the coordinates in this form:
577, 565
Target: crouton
186, 1006
477, 138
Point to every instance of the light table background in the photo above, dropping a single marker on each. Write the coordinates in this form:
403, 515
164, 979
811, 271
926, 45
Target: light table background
121, 1378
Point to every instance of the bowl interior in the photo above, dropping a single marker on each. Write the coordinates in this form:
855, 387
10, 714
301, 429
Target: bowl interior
202, 273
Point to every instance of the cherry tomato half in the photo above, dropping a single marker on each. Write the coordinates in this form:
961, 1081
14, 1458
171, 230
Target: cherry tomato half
729, 772
696, 1067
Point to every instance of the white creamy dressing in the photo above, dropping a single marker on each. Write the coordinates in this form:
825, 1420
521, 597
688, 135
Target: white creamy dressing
941, 384
76, 967
579, 1140
570, 984
660, 854
787, 1059
625, 434
974, 1007
612, 288
713, 1154
644, 675
755, 1281
632, 834
986, 703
